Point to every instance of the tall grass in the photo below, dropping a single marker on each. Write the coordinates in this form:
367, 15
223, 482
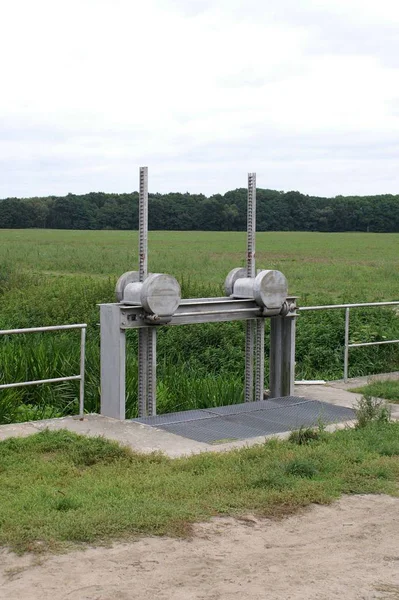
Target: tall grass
61, 277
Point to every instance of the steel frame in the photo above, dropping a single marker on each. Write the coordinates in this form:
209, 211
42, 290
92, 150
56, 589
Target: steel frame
116, 318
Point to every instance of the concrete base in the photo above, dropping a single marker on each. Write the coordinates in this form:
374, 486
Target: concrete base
138, 437
338, 392
145, 439
356, 382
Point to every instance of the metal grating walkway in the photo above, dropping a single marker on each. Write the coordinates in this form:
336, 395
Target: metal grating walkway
252, 419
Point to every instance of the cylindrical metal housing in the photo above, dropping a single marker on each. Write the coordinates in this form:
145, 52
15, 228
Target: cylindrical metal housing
232, 277
158, 294
123, 281
269, 289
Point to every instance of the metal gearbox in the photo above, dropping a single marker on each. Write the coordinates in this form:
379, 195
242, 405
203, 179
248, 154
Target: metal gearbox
159, 294
269, 289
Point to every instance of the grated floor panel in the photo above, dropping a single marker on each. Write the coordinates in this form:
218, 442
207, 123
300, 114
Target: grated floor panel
248, 420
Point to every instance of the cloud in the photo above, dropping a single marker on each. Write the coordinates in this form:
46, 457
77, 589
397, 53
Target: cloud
202, 91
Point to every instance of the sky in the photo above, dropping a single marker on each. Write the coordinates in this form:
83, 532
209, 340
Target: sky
303, 92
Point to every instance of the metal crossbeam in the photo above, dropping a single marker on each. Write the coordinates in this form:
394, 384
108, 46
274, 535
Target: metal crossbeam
201, 310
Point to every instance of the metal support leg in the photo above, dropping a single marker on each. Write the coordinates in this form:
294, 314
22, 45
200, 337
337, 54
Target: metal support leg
275, 357
288, 356
260, 359
142, 372
282, 356
113, 362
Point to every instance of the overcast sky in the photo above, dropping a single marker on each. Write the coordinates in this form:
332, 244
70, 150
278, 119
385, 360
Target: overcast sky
304, 92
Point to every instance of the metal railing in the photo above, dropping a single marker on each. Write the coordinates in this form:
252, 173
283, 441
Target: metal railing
80, 377
347, 308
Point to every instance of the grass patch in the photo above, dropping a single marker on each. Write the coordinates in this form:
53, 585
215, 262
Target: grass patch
389, 390
58, 488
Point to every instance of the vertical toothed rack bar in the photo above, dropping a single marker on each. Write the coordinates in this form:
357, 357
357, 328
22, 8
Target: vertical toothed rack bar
147, 336
143, 224
143, 262
250, 325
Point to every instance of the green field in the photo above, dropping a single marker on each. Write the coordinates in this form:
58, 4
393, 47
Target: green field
320, 267
55, 277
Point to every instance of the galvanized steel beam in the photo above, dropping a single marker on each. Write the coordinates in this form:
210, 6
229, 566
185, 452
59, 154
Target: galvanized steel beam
200, 310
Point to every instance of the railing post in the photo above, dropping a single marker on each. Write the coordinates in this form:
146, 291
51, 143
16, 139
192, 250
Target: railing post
82, 371
346, 349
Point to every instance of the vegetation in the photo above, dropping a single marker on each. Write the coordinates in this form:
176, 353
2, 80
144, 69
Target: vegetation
389, 390
56, 277
58, 488
277, 211
305, 435
369, 409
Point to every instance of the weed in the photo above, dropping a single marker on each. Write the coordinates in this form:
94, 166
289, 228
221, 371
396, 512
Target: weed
369, 409
274, 481
301, 468
304, 435
65, 504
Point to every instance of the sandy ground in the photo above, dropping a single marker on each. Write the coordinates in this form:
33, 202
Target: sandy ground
349, 550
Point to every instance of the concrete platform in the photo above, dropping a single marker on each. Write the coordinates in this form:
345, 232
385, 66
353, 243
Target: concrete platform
145, 439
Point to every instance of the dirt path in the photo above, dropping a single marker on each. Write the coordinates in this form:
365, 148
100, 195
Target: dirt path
349, 550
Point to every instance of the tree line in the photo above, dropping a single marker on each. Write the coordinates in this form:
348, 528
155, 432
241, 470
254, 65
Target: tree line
276, 211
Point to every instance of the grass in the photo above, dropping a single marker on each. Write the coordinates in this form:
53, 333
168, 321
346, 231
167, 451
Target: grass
319, 266
55, 277
58, 488
389, 390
